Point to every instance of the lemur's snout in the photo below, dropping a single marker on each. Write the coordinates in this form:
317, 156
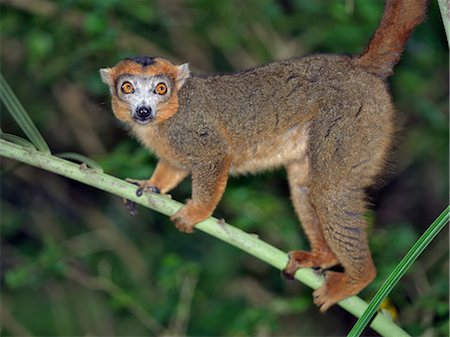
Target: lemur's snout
143, 114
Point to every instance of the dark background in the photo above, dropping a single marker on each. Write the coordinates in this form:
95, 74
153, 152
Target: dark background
74, 262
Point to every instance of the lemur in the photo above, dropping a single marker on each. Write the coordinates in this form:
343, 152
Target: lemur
328, 119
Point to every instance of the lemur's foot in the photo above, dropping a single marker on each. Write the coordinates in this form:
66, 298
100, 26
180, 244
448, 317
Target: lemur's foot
144, 186
183, 225
301, 259
337, 287
188, 216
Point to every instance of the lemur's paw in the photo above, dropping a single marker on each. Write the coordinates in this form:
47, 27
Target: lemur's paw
321, 299
337, 287
144, 186
183, 225
322, 259
298, 259
188, 216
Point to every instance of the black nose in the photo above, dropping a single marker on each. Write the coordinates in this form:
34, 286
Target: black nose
143, 112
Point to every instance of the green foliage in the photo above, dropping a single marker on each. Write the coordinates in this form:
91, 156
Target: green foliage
17, 111
78, 259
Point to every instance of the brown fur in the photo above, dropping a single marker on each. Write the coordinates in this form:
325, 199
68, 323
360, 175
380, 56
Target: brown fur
386, 46
161, 66
166, 176
327, 119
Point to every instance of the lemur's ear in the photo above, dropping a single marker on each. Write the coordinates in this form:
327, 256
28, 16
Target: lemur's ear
105, 73
182, 74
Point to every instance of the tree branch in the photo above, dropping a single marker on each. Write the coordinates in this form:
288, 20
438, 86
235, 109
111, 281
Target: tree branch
219, 229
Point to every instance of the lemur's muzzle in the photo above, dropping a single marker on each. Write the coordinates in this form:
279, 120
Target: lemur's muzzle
143, 114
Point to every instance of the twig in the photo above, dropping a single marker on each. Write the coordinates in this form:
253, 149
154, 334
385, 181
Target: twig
182, 314
219, 229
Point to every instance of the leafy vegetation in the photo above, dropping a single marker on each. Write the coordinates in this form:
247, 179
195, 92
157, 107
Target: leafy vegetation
74, 262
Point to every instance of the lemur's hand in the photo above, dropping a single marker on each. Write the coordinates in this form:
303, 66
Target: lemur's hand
143, 187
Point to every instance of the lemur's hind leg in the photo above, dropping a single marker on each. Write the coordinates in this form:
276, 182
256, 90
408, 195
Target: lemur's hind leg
340, 211
320, 255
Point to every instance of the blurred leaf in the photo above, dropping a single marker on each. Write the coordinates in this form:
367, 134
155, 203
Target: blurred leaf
95, 23
17, 277
251, 321
39, 45
51, 259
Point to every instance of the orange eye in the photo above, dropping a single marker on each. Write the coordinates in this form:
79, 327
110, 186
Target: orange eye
161, 89
127, 88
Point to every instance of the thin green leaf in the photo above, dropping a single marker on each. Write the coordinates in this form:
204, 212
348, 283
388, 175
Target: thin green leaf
399, 271
445, 11
17, 140
81, 159
21, 117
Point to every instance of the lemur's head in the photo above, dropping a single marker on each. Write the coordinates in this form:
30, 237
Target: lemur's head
144, 89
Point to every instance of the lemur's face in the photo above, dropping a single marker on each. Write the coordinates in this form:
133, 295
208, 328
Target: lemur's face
144, 90
144, 95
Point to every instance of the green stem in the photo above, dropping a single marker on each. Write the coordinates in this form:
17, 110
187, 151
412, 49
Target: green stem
219, 229
399, 271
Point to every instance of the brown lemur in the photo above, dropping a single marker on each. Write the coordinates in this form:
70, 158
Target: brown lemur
328, 119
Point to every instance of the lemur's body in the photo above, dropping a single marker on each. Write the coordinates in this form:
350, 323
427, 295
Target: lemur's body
305, 99
327, 119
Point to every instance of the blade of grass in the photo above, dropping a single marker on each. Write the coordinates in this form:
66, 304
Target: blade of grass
399, 271
17, 140
21, 117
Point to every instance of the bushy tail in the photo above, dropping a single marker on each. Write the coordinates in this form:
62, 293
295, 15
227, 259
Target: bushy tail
387, 44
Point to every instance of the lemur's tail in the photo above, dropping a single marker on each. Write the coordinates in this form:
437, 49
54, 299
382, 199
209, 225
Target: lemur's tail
387, 43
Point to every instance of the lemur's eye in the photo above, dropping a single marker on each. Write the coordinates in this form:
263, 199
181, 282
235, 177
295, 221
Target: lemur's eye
161, 89
127, 88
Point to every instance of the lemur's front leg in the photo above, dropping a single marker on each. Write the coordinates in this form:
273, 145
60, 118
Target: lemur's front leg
164, 178
209, 179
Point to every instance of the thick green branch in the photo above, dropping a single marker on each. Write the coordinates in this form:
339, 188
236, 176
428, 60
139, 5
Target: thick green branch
163, 204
